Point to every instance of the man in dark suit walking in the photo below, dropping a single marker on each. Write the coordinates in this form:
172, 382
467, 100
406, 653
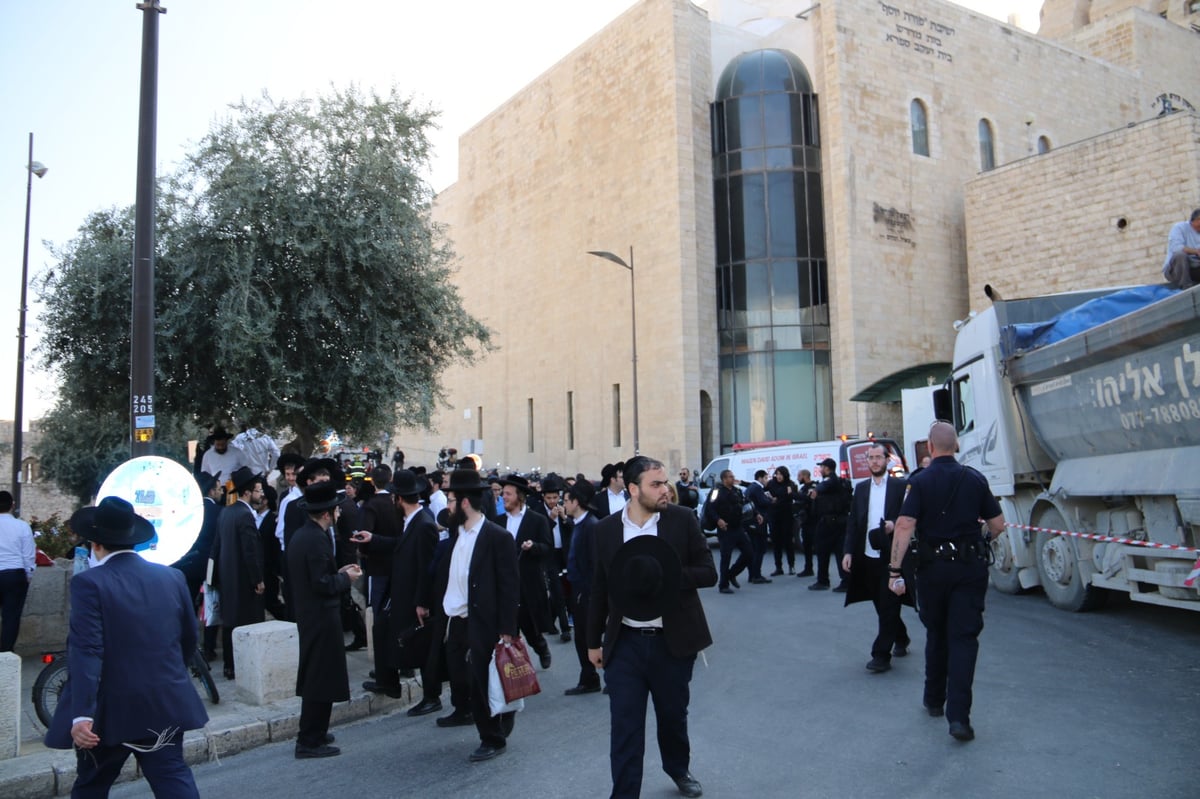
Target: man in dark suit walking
873, 513
239, 559
477, 587
318, 585
646, 623
535, 548
579, 574
129, 691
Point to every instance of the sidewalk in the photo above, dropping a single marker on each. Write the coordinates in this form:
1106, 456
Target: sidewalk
233, 727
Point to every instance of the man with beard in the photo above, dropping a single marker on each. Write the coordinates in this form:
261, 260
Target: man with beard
531, 531
321, 678
239, 561
478, 586
220, 458
869, 528
646, 624
579, 574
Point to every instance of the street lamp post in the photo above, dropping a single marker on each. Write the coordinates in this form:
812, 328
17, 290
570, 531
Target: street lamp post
616, 259
39, 169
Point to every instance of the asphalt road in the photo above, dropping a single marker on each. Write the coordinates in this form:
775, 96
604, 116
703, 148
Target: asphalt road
1066, 705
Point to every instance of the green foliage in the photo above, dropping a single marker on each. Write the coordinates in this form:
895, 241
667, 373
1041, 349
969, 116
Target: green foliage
53, 537
300, 283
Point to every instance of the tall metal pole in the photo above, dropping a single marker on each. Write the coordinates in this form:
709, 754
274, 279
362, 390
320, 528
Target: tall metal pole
637, 448
141, 404
19, 411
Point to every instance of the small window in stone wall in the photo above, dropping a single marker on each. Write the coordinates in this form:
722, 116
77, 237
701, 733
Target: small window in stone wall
1043, 142
919, 119
987, 146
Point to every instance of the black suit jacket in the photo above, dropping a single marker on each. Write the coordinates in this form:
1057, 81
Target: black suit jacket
684, 626
379, 516
411, 584
492, 592
861, 587
535, 528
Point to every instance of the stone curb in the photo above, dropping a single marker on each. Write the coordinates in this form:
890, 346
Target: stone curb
52, 772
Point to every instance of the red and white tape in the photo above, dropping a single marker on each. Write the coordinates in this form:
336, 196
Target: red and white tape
1112, 539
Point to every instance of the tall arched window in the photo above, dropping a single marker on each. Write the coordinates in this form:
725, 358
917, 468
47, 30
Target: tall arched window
1043, 144
987, 146
919, 119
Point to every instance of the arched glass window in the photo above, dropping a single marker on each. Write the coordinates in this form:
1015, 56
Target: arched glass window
987, 146
919, 119
1043, 144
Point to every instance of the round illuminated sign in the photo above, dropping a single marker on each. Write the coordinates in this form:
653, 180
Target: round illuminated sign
165, 494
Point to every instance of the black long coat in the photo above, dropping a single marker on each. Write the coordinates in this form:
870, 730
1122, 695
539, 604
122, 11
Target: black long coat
238, 554
492, 591
317, 588
535, 527
411, 555
862, 587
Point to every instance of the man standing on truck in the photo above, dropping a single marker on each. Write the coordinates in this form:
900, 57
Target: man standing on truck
1182, 267
947, 500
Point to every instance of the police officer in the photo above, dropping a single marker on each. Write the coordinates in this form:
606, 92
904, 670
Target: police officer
947, 500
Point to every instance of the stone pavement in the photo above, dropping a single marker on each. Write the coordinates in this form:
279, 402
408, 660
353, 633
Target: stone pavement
234, 726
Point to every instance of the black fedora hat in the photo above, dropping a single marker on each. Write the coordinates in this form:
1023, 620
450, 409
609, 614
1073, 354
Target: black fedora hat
406, 484
516, 481
336, 475
243, 478
466, 481
553, 484
321, 496
286, 459
220, 434
645, 577
111, 523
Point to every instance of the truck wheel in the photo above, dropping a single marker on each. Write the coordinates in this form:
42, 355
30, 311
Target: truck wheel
1059, 569
1004, 571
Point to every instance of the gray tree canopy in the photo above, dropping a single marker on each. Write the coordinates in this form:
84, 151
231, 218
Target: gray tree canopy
300, 282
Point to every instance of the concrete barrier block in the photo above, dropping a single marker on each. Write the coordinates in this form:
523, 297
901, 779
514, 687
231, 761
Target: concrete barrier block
359, 707
195, 747
284, 728
267, 657
10, 705
45, 616
232, 740
28, 778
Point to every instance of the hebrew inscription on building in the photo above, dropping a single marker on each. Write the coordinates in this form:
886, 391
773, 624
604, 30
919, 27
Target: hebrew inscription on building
916, 32
897, 225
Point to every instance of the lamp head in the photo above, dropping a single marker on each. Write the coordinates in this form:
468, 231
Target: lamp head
38, 168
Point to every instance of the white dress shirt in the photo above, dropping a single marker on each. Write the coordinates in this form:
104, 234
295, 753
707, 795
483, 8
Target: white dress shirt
17, 550
875, 512
615, 501
283, 503
454, 603
512, 521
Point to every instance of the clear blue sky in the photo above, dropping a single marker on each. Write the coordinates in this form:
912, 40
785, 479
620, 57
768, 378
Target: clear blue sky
70, 72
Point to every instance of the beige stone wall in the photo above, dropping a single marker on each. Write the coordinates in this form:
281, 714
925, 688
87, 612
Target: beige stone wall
606, 150
894, 219
1054, 223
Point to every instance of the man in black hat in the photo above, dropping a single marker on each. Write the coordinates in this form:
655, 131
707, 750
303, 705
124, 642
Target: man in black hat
237, 552
409, 591
220, 458
194, 563
612, 495
531, 531
646, 624
831, 503
579, 573
556, 564
477, 588
318, 585
146, 699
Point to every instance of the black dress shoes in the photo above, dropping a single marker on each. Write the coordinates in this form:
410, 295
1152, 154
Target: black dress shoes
878, 665
356, 645
760, 580
688, 785
565, 637
456, 719
486, 752
324, 750
819, 586
544, 658
329, 738
900, 650
393, 691
229, 675
425, 708
805, 573
726, 590
961, 731
582, 689
733, 581
840, 588
777, 573
935, 710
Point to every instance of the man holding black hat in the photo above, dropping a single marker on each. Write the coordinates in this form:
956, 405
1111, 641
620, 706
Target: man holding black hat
238, 554
129, 690
579, 574
318, 585
478, 588
531, 531
646, 624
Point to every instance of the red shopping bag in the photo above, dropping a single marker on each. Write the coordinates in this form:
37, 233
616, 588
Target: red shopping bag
516, 672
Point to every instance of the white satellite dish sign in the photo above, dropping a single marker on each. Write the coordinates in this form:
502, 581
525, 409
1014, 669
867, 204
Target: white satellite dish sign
165, 494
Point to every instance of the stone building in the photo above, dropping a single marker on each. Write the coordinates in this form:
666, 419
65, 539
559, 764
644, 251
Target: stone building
789, 186
40, 499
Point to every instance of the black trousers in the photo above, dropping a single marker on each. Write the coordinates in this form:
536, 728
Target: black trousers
952, 597
730, 539
808, 534
831, 532
314, 722
783, 540
531, 629
758, 547
587, 672
887, 608
169, 776
554, 584
469, 668
639, 667
14, 587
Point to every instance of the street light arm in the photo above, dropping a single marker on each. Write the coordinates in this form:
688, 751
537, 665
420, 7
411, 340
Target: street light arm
608, 256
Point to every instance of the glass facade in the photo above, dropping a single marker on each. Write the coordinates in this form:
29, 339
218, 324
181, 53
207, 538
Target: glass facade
772, 286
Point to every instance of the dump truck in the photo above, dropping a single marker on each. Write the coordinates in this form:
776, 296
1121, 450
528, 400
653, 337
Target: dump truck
1088, 436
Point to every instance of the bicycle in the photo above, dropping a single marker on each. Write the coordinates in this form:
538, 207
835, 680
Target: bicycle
48, 686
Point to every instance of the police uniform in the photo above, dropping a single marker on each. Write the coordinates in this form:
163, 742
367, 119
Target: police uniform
947, 500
